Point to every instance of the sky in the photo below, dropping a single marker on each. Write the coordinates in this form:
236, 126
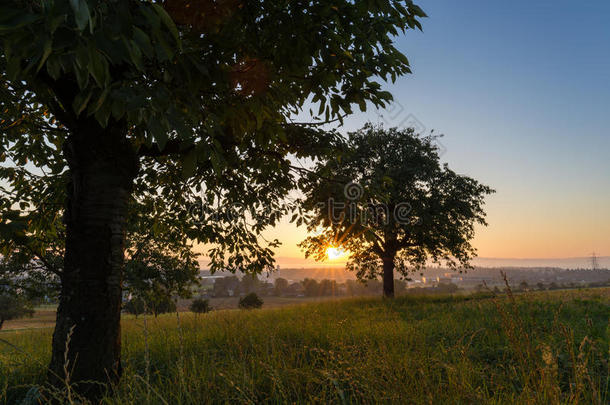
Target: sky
521, 92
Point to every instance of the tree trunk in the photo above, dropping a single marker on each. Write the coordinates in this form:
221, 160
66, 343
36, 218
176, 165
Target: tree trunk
388, 277
87, 339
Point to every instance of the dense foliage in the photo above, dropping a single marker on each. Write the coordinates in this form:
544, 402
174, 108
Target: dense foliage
205, 101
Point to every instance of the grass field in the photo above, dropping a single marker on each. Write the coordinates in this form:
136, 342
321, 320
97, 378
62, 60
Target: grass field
538, 348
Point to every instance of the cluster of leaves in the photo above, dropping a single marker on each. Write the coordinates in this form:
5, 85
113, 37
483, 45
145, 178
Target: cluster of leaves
407, 207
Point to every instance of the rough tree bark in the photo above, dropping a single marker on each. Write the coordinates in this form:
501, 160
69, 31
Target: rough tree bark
388, 277
102, 166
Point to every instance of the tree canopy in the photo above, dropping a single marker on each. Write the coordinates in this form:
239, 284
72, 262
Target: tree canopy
205, 92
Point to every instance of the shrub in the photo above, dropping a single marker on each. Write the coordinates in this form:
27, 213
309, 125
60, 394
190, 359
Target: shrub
12, 307
446, 288
154, 305
250, 301
135, 306
200, 306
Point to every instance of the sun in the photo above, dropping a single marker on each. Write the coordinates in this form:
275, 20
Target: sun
335, 253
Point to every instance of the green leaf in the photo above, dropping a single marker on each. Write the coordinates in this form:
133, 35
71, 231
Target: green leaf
101, 100
82, 15
103, 114
80, 102
168, 22
143, 42
158, 133
54, 67
11, 19
48, 47
98, 67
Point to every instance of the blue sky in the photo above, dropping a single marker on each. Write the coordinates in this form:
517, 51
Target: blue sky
521, 91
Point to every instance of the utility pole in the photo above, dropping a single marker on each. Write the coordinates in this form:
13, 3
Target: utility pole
594, 262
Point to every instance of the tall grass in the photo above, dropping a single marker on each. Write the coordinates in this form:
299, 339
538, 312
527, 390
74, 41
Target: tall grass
536, 348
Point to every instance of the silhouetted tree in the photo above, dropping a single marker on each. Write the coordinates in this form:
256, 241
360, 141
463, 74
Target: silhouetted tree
250, 301
250, 283
280, 285
223, 285
386, 198
311, 287
200, 306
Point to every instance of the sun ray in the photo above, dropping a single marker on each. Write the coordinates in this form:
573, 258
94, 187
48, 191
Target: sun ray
334, 253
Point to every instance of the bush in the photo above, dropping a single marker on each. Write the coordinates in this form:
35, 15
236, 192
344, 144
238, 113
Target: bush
250, 301
12, 307
200, 306
154, 305
135, 306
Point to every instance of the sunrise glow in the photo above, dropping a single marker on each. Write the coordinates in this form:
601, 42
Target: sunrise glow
335, 253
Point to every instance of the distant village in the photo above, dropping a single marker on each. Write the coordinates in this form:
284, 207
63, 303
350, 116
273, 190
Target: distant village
333, 281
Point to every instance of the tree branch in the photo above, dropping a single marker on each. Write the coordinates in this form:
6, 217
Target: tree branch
172, 147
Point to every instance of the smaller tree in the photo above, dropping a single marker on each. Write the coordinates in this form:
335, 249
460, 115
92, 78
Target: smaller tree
446, 288
13, 307
384, 196
311, 287
250, 301
250, 283
328, 288
157, 271
200, 306
225, 286
155, 303
280, 285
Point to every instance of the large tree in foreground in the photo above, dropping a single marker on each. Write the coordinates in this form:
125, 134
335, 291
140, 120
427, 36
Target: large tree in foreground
175, 104
388, 200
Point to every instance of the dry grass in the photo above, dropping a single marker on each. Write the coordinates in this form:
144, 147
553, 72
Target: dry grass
42, 318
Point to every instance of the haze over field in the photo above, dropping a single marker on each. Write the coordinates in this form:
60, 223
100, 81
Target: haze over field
563, 263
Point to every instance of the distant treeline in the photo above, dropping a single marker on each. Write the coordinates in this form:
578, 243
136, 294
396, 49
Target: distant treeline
234, 286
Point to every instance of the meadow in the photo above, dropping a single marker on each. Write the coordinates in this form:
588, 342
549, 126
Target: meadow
533, 348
